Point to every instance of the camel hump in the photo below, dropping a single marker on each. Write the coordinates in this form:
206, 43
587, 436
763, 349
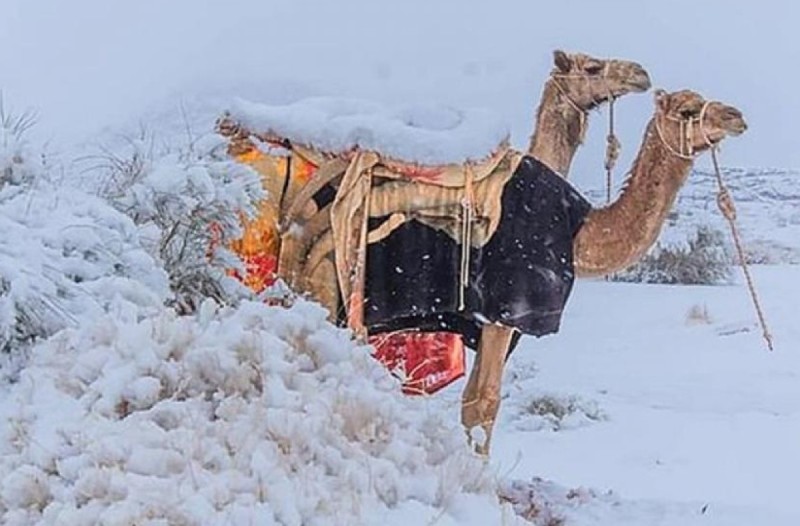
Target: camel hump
422, 134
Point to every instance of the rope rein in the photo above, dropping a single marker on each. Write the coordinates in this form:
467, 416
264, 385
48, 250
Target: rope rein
728, 209
468, 213
725, 201
613, 147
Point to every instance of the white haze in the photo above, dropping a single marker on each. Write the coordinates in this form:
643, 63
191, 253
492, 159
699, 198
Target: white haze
86, 64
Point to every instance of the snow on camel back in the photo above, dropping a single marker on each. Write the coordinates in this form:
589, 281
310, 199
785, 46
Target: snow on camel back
422, 134
320, 159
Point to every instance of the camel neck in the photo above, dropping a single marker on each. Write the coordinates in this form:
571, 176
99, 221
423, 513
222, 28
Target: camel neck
558, 132
656, 177
617, 235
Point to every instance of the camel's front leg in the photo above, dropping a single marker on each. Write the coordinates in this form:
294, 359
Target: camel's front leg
321, 283
481, 398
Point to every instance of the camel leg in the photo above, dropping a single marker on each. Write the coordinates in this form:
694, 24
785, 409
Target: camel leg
322, 286
481, 399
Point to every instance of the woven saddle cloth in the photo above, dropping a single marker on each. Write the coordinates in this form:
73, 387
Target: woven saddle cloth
460, 199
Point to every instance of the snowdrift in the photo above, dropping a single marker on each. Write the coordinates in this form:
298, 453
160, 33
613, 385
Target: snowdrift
254, 415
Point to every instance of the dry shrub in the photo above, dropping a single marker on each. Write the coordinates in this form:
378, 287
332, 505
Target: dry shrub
698, 315
704, 260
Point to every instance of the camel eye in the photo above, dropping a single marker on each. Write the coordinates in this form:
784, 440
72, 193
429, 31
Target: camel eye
688, 113
593, 69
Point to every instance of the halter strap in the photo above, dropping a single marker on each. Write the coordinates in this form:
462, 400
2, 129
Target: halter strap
687, 128
582, 112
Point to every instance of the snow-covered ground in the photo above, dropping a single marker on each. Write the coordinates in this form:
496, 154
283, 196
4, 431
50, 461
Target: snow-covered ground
686, 418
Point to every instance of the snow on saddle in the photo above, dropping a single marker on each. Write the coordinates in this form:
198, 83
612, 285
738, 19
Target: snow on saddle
334, 167
422, 135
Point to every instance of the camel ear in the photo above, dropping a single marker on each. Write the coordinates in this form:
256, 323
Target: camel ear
662, 99
562, 61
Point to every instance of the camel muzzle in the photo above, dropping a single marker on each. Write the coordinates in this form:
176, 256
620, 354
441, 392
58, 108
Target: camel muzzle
730, 118
739, 126
640, 81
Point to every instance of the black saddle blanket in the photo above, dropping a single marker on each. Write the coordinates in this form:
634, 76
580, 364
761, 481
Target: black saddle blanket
521, 278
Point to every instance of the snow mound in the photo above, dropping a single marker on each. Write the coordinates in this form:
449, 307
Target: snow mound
426, 134
254, 415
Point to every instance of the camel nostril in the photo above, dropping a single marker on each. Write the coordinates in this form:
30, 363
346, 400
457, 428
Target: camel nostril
730, 118
736, 119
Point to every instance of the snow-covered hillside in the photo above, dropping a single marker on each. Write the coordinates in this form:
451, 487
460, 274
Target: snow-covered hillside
767, 204
768, 209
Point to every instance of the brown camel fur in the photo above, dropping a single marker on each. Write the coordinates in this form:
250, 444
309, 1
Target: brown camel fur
615, 236
578, 84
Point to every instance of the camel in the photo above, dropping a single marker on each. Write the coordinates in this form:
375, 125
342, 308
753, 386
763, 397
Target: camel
577, 84
617, 235
611, 237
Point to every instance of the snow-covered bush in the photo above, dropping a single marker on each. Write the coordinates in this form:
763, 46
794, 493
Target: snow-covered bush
703, 260
64, 255
248, 415
545, 503
557, 412
187, 203
769, 252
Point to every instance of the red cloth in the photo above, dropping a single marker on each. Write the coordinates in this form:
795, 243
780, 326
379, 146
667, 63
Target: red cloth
261, 271
425, 362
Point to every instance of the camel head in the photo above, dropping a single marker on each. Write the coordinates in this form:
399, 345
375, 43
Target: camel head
589, 81
689, 124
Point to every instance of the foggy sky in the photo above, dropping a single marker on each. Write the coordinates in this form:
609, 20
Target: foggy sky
84, 64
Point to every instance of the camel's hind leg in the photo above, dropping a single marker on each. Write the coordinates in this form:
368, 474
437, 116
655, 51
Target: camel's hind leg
481, 399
